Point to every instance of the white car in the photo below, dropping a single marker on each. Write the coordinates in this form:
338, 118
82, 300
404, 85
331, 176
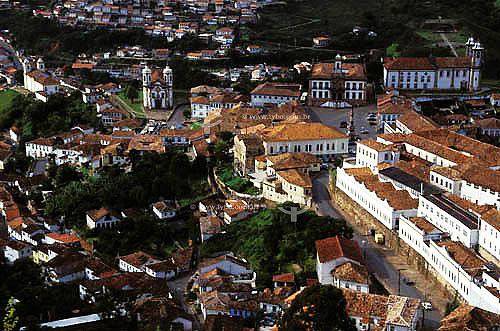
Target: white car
427, 305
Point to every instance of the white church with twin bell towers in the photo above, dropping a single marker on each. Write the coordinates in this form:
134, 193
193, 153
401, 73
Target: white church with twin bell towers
157, 90
435, 73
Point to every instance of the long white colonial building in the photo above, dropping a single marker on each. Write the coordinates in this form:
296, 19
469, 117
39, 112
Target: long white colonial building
430, 73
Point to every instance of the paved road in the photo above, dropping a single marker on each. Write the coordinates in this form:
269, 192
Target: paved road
39, 167
376, 262
178, 116
177, 287
334, 117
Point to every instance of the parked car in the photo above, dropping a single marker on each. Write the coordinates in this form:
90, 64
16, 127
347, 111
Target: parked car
409, 282
427, 305
364, 131
324, 166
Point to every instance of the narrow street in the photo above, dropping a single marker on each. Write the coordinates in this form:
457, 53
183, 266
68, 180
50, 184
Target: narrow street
177, 287
374, 254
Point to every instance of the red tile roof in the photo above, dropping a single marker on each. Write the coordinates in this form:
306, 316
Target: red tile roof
335, 247
284, 278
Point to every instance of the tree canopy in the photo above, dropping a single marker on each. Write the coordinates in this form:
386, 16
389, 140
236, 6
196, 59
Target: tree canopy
39, 119
271, 242
317, 307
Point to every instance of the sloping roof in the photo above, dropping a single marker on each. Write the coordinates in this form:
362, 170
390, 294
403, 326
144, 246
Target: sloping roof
284, 278
139, 259
416, 122
66, 238
423, 224
291, 160
290, 90
296, 177
353, 71
401, 311
97, 214
301, 131
335, 247
465, 257
373, 144
426, 63
468, 318
351, 272
482, 151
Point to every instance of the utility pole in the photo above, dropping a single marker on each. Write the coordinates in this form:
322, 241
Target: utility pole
399, 280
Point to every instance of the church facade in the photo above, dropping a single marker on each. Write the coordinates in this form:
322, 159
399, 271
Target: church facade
157, 88
436, 73
337, 85
38, 81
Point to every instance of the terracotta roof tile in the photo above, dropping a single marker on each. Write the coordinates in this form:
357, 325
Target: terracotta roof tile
335, 247
351, 272
468, 318
301, 131
284, 278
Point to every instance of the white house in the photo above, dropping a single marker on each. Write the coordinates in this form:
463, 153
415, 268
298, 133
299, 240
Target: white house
136, 262
380, 199
351, 276
378, 312
288, 185
370, 153
14, 250
164, 209
96, 269
163, 269
333, 252
40, 148
39, 81
274, 93
104, 218
230, 265
200, 107
235, 210
489, 232
450, 217
312, 138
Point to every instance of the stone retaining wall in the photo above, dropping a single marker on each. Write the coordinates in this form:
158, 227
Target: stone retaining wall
365, 222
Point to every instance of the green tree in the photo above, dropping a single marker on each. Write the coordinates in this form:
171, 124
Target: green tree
10, 319
131, 92
318, 307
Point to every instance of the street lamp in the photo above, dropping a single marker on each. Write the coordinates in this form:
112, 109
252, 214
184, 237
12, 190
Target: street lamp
399, 280
363, 247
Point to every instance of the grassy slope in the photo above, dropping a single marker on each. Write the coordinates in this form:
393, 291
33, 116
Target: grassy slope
309, 18
6, 98
136, 106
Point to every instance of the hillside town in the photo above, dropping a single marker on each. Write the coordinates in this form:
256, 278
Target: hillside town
217, 188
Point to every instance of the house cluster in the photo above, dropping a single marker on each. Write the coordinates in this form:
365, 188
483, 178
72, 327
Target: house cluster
65, 257
280, 159
7, 67
81, 146
257, 72
158, 18
399, 114
225, 288
440, 191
